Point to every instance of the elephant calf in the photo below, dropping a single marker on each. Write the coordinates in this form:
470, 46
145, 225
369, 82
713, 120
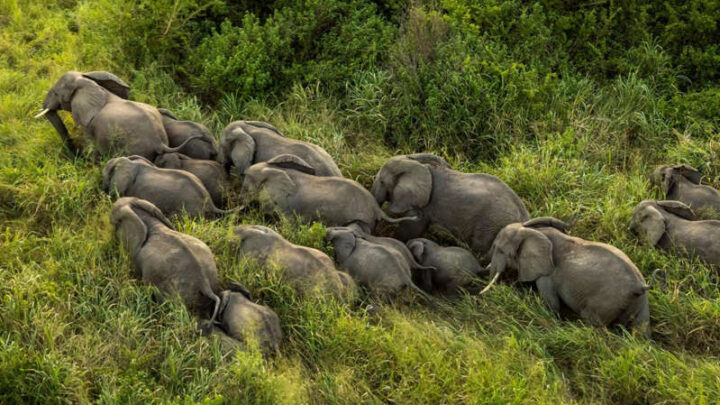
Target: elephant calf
174, 262
308, 270
595, 280
474, 207
378, 267
454, 267
211, 173
288, 184
244, 143
191, 138
173, 191
682, 183
245, 321
672, 225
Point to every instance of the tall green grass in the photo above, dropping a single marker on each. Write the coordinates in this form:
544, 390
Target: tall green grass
77, 326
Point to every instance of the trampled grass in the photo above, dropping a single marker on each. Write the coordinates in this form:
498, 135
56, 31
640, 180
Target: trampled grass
77, 326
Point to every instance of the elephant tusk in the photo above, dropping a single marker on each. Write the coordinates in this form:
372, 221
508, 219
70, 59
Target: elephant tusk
43, 112
491, 283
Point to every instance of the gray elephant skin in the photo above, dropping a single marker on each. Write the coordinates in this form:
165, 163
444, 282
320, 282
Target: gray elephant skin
309, 271
595, 280
172, 261
288, 184
196, 140
98, 102
474, 207
682, 183
672, 225
381, 269
244, 143
211, 173
455, 268
173, 191
240, 321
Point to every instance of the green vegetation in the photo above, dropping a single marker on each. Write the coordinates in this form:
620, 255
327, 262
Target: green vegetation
572, 104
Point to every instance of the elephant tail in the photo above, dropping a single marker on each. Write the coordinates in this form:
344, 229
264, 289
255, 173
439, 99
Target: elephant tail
392, 220
208, 292
166, 149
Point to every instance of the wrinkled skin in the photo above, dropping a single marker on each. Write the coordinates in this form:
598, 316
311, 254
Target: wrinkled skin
473, 207
422, 275
211, 173
98, 102
170, 190
455, 268
286, 183
203, 146
244, 143
381, 269
682, 183
672, 225
173, 262
241, 320
309, 271
595, 280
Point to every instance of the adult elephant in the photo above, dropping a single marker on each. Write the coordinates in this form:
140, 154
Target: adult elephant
98, 102
474, 207
244, 143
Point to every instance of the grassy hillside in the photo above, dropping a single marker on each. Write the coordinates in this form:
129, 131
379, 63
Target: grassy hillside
572, 106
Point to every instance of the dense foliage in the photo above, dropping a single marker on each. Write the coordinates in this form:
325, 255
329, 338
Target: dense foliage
571, 103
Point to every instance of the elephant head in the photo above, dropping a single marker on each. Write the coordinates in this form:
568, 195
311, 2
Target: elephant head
344, 241
126, 218
256, 238
83, 94
523, 249
273, 172
203, 146
405, 182
648, 220
666, 176
119, 173
237, 148
170, 160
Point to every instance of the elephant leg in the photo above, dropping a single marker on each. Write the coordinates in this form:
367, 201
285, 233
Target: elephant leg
547, 292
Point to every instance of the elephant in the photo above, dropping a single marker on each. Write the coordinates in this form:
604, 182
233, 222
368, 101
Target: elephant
309, 271
291, 186
172, 261
454, 267
244, 143
98, 102
380, 268
173, 191
243, 320
682, 183
202, 146
473, 207
673, 225
597, 281
211, 173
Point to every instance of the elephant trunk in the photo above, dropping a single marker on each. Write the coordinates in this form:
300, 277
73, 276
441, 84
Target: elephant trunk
379, 192
59, 126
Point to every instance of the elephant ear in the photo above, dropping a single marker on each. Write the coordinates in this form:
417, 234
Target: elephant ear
152, 210
132, 229
141, 160
678, 208
167, 113
287, 161
237, 148
112, 184
417, 247
651, 221
534, 255
547, 222
265, 125
343, 240
689, 173
87, 101
413, 185
111, 82
170, 160
429, 158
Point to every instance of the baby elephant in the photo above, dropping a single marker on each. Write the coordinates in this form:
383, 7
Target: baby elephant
308, 270
378, 267
174, 262
289, 184
595, 280
455, 267
179, 132
211, 173
170, 190
244, 320
672, 224
682, 183
245, 143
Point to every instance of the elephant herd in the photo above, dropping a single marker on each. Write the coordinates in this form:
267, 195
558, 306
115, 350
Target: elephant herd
162, 166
